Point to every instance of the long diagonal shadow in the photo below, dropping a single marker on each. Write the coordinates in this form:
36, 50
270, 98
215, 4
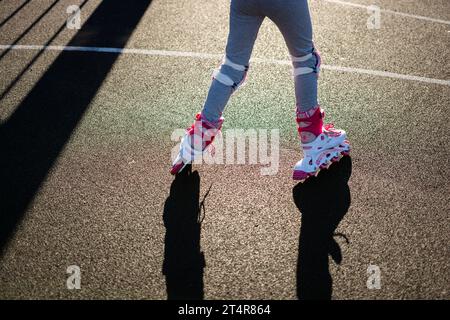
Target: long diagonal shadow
35, 134
30, 27
14, 12
25, 69
183, 259
323, 202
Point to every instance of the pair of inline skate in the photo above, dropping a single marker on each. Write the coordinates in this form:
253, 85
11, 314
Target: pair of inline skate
330, 144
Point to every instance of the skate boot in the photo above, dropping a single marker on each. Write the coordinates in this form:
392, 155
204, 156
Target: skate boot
196, 141
329, 146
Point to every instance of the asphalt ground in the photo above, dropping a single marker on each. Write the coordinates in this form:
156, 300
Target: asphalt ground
85, 143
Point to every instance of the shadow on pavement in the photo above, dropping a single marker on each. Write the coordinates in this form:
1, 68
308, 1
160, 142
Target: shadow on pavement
30, 27
16, 11
323, 201
36, 133
183, 259
35, 58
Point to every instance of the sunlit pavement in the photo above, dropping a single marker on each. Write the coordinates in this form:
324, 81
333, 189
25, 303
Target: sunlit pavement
85, 144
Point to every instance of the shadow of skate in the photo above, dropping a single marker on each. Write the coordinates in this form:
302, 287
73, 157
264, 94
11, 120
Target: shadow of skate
183, 260
323, 201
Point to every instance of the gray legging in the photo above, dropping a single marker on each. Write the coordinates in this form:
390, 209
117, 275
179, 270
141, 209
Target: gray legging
246, 16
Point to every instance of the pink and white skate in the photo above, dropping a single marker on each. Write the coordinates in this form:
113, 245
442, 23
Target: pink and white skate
328, 147
196, 141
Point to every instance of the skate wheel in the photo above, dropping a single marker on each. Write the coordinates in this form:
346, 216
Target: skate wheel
324, 166
177, 168
307, 177
301, 176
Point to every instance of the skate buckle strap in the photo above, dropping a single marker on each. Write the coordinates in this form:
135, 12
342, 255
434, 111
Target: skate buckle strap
304, 115
204, 131
311, 121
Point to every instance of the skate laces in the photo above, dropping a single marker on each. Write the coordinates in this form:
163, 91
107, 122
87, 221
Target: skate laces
331, 131
330, 128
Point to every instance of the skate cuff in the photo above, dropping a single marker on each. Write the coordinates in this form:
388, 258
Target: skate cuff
202, 134
209, 124
310, 123
309, 113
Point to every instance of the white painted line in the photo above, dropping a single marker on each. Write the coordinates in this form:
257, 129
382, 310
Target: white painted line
387, 74
363, 71
199, 55
147, 52
351, 4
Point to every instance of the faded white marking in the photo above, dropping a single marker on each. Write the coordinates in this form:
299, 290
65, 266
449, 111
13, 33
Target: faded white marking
398, 13
199, 55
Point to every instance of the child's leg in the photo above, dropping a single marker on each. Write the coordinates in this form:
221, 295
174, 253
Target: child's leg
244, 26
321, 145
293, 19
